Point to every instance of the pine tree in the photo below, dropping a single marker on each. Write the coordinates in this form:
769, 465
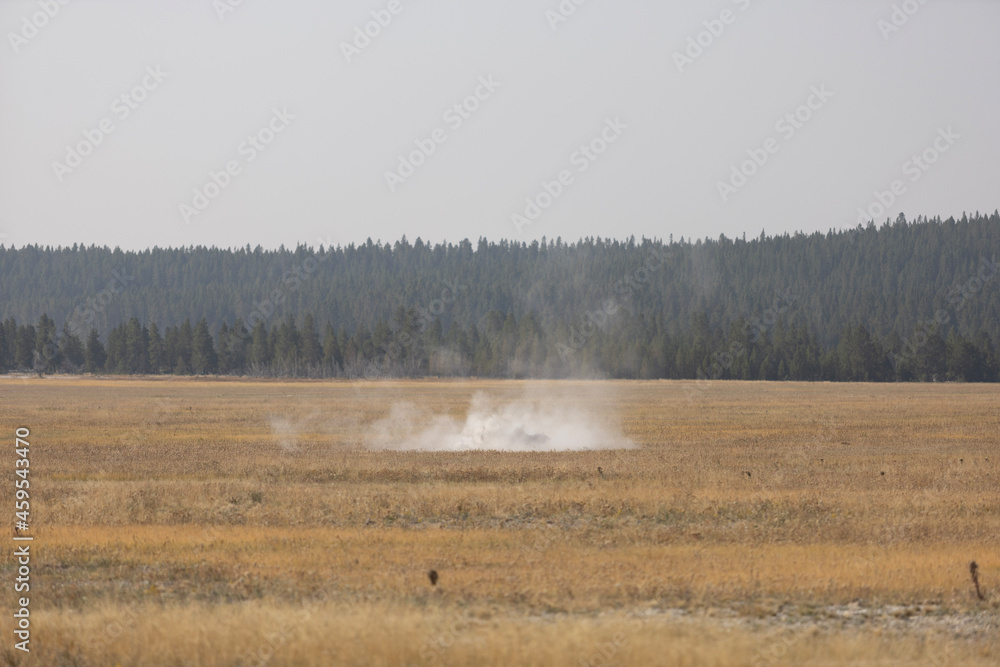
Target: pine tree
71, 350
157, 351
931, 359
312, 349
260, 350
225, 353
185, 348
94, 356
117, 351
47, 357
203, 357
287, 343
332, 356
136, 347
6, 349
239, 343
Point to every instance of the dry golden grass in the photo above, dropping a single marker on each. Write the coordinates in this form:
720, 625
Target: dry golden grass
174, 525
387, 635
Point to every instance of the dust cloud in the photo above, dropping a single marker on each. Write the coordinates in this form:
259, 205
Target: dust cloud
525, 425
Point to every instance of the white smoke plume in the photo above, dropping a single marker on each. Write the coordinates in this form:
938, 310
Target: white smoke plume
287, 432
518, 426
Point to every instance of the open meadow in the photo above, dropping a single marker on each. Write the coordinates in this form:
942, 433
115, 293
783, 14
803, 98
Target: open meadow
231, 522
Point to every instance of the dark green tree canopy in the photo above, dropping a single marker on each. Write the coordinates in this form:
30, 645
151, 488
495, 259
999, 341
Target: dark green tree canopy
903, 301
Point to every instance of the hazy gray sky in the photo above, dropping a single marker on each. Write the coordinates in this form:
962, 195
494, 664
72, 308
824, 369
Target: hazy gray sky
183, 85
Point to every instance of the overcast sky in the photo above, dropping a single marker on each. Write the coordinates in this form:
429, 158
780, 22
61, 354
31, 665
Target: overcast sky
312, 117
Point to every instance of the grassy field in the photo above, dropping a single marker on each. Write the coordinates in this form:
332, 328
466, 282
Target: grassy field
222, 522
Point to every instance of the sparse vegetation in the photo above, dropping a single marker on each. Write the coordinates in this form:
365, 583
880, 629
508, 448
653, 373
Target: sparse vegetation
173, 527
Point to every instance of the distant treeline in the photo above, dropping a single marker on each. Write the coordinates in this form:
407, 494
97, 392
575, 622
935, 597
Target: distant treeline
502, 346
904, 300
